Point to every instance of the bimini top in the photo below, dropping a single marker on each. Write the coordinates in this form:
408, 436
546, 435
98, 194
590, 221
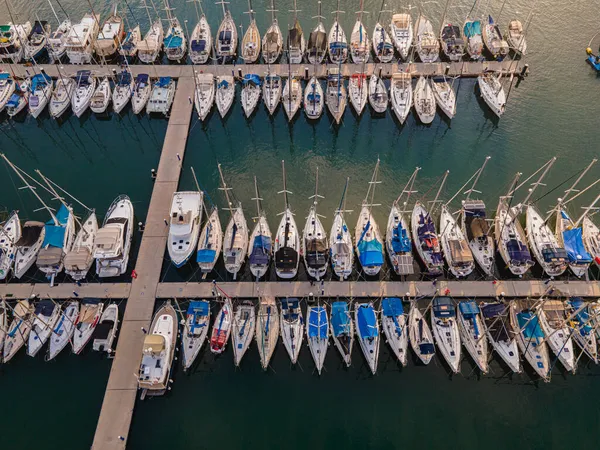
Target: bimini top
371, 253
261, 250
39, 80
530, 325
154, 344
290, 308
468, 309
392, 307
141, 80
472, 29
367, 322
443, 308
198, 308
163, 82
317, 323
340, 319
251, 78
518, 252
574, 246
198, 45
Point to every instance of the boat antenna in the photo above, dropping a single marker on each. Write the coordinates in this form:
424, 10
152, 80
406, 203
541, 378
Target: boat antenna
226, 189
408, 189
435, 200
285, 192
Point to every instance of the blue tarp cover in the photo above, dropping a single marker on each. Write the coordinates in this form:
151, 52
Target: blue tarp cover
199, 308
173, 41
582, 317
312, 98
3, 76
340, 320
371, 253
205, 255
198, 46
468, 309
62, 216
574, 246
443, 307
530, 325
261, 250
55, 236
163, 82
251, 78
367, 322
472, 28
317, 322
493, 310
400, 240
40, 79
392, 307
14, 100
223, 84
289, 308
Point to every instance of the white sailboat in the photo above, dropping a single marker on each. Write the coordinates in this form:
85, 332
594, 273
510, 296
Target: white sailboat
452, 40
195, 331
250, 93
472, 333
62, 96
251, 40
420, 337
244, 324
378, 95
552, 257
86, 85
317, 334
110, 37
184, 226
493, 40
314, 239
426, 43
102, 97
472, 33
209, 243
424, 99
367, 332
141, 93
57, 40
296, 44
150, 47
292, 327
314, 100
7, 89
201, 38
10, 234
341, 252
500, 335
28, 246
225, 93
221, 328
89, 316
444, 96
395, 326
359, 40
342, 330
530, 338
287, 239
267, 329
591, 238
358, 91
13, 39
272, 91
260, 249
106, 330
128, 49
426, 240
227, 38
317, 41
515, 37
19, 99
402, 33
382, 41
62, 333
204, 97
79, 259
124, 88
272, 43
445, 330
584, 331
41, 93
401, 92
338, 45
335, 94
46, 316
18, 332
552, 315
292, 97
175, 42
492, 92
455, 246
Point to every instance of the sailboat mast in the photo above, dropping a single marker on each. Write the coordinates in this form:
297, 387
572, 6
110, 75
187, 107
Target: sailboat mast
587, 210
285, 191
408, 189
257, 198
470, 191
548, 165
572, 188
58, 197
54, 12
439, 191
226, 189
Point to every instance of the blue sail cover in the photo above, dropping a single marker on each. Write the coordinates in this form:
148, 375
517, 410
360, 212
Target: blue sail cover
173, 41
261, 250
468, 309
39, 80
313, 98
163, 82
400, 240
317, 323
574, 246
443, 308
530, 325
392, 307
251, 78
370, 253
472, 29
333, 46
290, 308
14, 100
223, 84
55, 234
340, 319
205, 255
4, 76
582, 317
197, 309
367, 322
62, 216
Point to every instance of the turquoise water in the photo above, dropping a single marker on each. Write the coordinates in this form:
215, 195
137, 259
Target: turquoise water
96, 158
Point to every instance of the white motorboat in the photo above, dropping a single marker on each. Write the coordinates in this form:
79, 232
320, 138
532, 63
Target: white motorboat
591, 239
13, 39
382, 44
552, 316
158, 352
141, 93
102, 97
110, 36
106, 330
10, 235
124, 88
340, 250
493, 40
287, 240
7, 89
342, 330
80, 40
516, 37
492, 92
272, 92
201, 42
472, 32
57, 40
314, 240
583, 328
454, 245
58, 241
209, 243
149, 48
113, 241
79, 259
36, 42
472, 333
445, 330
85, 88
358, 91
267, 329
424, 99
89, 316
419, 333
395, 326
427, 45
316, 48
227, 38
452, 41
359, 40
367, 332
530, 338
378, 95
129, 46
195, 331
225, 93
243, 328
551, 256
336, 95
46, 315
250, 93
184, 227
19, 99
175, 42
401, 92
444, 96
62, 333
272, 43
260, 249
41, 93
402, 33
161, 97
62, 96
369, 244
251, 41
317, 334
314, 100
570, 237
221, 328
296, 44
426, 240
28, 246
499, 333
292, 97
292, 327
204, 97
18, 332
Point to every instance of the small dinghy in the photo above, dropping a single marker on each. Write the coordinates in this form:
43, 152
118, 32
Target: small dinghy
102, 97
382, 44
317, 334
424, 99
584, 333
342, 330
287, 239
314, 240
336, 95
175, 42
250, 93
19, 329
313, 99
338, 45
150, 47
272, 43
472, 32
141, 93
46, 315
427, 45
317, 41
19, 99
444, 96
244, 323
530, 337
86, 85
358, 91
340, 250
89, 316
551, 256
41, 93
296, 44
499, 333
367, 332
184, 227
79, 259
402, 33
10, 234
492, 92
28, 247
195, 330
492, 38
421, 339
260, 249
454, 245
56, 41
426, 240
221, 328
7, 89
129, 47
395, 327
209, 243
64, 329
516, 37
267, 329
378, 95
251, 41
62, 96
445, 330
292, 327
205, 94
123, 90
552, 315
292, 97
225, 94
161, 96
472, 333
106, 330
227, 38
272, 92
401, 92
453, 44
201, 42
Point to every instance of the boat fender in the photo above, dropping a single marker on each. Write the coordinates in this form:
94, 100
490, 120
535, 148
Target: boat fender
588, 51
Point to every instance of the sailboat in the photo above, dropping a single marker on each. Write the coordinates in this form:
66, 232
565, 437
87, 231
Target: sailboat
453, 44
201, 39
515, 37
335, 94
296, 44
235, 240
369, 246
382, 41
499, 333
317, 41
401, 92
225, 93
184, 226
209, 243
250, 93
141, 93
424, 99
358, 91
342, 255
149, 48
174, 42
444, 96
41, 92
419, 333
287, 239
342, 330
46, 315
221, 328
427, 45
57, 39
273, 40
106, 330
317, 334
445, 330
251, 40
472, 33
272, 91
584, 332
426, 240
367, 332
227, 38
7, 89
395, 326
129, 47
292, 96
314, 240
454, 245
63, 332
378, 95
10, 234
89, 316
18, 332
402, 33
13, 38
472, 333
204, 97
493, 40
397, 235
110, 37
292, 327
549, 254
102, 97
28, 246
530, 338
195, 330
359, 40
314, 100
552, 315
62, 96
591, 238
19, 99
123, 89
338, 45
267, 329
243, 326
260, 249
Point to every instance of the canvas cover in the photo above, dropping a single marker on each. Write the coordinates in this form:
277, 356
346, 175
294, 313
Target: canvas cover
574, 246
173, 41
198, 45
205, 255
400, 240
261, 250
340, 319
371, 253
530, 325
392, 307
286, 258
251, 78
317, 42
154, 344
367, 322
163, 82
472, 29
443, 308
317, 323
460, 251
517, 252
